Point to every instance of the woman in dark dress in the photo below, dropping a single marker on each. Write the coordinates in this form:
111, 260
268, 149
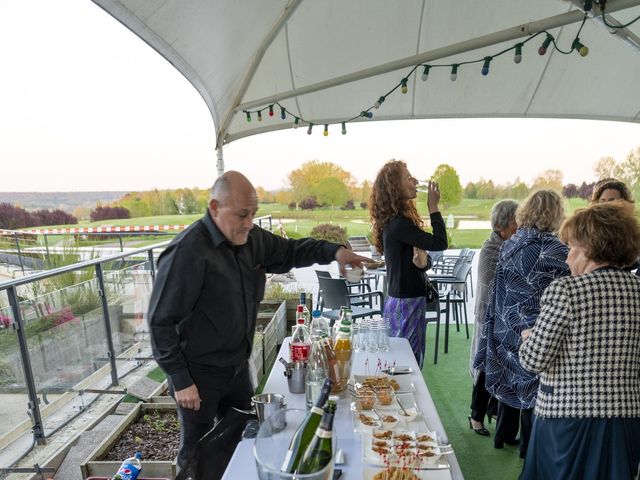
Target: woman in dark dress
585, 347
397, 230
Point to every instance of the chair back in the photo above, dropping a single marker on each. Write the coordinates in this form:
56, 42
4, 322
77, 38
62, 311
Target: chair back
461, 277
323, 274
470, 255
335, 293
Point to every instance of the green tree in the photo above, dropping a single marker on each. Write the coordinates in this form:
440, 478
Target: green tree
471, 190
606, 167
330, 191
630, 169
450, 187
519, 190
302, 180
485, 189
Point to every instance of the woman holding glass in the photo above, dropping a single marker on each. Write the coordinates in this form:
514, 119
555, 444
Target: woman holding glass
585, 347
397, 230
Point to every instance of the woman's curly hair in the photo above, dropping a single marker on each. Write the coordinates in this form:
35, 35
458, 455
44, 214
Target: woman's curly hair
386, 201
613, 184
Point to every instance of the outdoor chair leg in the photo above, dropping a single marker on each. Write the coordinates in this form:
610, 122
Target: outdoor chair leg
446, 328
435, 350
466, 320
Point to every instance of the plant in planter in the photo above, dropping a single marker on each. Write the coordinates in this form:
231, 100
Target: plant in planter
276, 291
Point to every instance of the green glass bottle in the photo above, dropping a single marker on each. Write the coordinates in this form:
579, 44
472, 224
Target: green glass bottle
304, 435
320, 451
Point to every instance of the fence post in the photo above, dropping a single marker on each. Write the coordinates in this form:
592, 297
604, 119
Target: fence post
107, 324
152, 265
34, 405
46, 246
15, 235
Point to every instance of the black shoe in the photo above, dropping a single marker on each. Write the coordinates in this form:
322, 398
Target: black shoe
480, 431
500, 443
513, 443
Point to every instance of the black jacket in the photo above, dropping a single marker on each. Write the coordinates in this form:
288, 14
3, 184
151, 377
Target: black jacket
206, 293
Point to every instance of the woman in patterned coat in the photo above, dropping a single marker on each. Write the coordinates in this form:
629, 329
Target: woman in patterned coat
585, 347
529, 261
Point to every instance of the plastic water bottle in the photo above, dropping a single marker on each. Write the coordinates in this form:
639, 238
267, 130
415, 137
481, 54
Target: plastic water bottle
319, 324
130, 468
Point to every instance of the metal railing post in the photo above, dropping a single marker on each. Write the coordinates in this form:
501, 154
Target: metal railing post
152, 265
107, 324
15, 235
46, 246
33, 405
121, 246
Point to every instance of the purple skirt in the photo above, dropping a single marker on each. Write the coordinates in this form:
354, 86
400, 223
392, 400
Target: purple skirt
406, 317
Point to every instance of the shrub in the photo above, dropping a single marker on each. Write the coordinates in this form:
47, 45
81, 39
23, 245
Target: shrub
292, 206
109, 213
364, 205
349, 205
329, 232
308, 203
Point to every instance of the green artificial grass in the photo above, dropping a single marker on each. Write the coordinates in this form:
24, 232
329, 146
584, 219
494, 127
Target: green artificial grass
450, 386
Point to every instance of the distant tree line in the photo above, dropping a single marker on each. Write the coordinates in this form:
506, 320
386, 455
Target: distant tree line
109, 213
13, 216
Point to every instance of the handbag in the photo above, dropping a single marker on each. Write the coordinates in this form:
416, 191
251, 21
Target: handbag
432, 293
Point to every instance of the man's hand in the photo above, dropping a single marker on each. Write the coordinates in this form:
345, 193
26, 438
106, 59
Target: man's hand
345, 256
526, 333
188, 397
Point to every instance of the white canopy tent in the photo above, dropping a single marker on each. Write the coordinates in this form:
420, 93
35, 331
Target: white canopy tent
327, 61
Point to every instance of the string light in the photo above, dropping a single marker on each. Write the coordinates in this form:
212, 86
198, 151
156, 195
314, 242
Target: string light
576, 45
454, 72
517, 58
582, 49
547, 41
425, 73
403, 85
485, 66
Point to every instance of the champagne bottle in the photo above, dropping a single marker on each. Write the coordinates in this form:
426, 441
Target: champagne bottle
306, 431
320, 451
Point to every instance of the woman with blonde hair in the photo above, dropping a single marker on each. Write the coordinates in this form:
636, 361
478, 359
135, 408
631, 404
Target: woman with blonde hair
528, 262
397, 230
585, 347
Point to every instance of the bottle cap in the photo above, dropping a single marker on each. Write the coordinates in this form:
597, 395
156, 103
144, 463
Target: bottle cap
316, 313
300, 308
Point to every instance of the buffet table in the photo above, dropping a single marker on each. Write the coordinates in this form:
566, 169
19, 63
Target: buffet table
243, 466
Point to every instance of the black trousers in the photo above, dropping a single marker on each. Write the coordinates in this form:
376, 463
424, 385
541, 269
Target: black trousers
482, 403
220, 388
506, 424
526, 425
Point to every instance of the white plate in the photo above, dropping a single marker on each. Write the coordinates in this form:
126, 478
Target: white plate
404, 381
370, 457
369, 472
360, 427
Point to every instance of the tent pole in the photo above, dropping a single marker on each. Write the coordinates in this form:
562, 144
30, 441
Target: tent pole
506, 35
220, 162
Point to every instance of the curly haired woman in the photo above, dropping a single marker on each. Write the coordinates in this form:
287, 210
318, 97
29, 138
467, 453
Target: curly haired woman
609, 189
397, 229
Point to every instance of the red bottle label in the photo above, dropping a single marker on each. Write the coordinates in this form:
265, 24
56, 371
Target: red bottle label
300, 352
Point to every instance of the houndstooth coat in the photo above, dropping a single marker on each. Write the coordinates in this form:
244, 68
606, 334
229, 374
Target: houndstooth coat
585, 346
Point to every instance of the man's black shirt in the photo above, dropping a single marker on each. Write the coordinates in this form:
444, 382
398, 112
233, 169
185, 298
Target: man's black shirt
206, 294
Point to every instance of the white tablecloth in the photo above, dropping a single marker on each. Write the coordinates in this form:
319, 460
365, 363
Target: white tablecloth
242, 465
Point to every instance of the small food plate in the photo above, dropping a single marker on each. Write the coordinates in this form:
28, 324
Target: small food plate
370, 472
399, 383
403, 448
364, 421
398, 370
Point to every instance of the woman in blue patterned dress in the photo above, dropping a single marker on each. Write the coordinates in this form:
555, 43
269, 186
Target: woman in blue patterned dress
529, 261
397, 230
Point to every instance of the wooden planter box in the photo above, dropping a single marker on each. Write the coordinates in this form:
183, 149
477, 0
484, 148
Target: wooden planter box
94, 466
292, 306
272, 319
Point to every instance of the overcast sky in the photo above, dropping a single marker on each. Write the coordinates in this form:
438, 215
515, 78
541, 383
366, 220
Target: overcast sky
86, 105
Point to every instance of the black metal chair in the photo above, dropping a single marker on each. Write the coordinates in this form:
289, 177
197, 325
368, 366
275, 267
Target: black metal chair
360, 287
433, 315
334, 293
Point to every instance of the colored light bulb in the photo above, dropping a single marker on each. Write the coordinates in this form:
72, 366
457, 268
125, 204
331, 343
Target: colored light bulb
425, 73
543, 48
403, 86
379, 102
344, 128
309, 129
271, 110
326, 130
454, 73
581, 48
517, 58
296, 123
259, 116
283, 113
248, 116
485, 66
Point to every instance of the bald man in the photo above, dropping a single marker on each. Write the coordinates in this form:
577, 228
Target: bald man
202, 314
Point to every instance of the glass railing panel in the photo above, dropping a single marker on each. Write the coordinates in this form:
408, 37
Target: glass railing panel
13, 391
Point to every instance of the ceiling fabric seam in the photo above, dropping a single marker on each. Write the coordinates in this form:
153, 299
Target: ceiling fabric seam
546, 65
293, 83
415, 74
226, 119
